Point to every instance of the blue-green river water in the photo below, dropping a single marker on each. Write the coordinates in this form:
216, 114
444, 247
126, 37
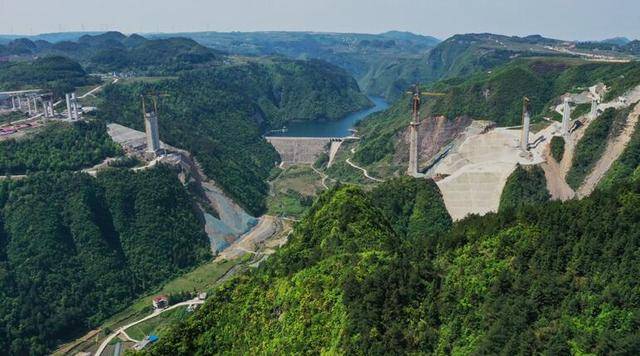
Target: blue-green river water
338, 128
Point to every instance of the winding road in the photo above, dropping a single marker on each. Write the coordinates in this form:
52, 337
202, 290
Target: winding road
366, 174
155, 313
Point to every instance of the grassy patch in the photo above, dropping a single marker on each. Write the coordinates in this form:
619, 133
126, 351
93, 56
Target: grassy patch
292, 191
154, 325
202, 278
580, 109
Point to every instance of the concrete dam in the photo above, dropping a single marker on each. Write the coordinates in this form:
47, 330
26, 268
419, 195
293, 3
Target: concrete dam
303, 150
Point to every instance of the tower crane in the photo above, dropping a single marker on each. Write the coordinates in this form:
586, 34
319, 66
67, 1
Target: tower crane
416, 103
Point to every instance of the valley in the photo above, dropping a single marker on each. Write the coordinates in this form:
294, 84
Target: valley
252, 193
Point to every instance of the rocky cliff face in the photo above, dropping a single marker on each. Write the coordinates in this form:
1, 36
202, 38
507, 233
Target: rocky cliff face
435, 134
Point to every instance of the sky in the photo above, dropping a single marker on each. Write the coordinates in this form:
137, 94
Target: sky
562, 19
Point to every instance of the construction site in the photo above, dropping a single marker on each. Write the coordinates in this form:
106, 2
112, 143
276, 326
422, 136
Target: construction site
26, 110
472, 166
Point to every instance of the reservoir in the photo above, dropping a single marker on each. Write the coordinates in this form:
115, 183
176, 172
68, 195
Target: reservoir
338, 128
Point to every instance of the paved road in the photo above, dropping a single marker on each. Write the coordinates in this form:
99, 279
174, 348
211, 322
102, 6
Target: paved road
150, 316
364, 171
366, 174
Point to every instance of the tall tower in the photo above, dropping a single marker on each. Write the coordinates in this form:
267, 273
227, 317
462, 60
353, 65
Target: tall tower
594, 108
526, 121
74, 104
151, 129
69, 112
29, 105
566, 117
412, 170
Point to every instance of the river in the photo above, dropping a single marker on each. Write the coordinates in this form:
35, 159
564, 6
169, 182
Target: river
337, 128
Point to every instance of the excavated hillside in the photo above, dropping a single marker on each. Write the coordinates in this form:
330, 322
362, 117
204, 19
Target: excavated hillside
436, 136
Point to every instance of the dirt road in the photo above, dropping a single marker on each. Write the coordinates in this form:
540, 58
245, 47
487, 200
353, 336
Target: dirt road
557, 186
266, 228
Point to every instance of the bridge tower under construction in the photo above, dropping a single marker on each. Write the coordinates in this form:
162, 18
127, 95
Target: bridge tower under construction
526, 123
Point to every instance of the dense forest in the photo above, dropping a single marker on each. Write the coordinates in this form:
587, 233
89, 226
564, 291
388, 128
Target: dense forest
525, 186
55, 73
76, 249
546, 278
383, 64
219, 114
557, 148
113, 51
387, 64
58, 147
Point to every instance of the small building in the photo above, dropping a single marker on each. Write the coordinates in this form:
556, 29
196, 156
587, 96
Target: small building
146, 342
202, 296
160, 302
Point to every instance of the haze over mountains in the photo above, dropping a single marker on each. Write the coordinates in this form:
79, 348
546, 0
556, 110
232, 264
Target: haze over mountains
384, 65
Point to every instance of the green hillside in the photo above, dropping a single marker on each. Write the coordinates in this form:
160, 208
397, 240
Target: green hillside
525, 186
75, 250
58, 147
113, 51
551, 278
387, 63
626, 167
383, 64
55, 73
593, 144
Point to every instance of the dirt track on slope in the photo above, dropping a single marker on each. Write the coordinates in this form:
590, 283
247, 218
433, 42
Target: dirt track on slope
614, 149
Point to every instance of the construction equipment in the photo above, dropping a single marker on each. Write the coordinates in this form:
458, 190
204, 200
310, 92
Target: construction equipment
416, 102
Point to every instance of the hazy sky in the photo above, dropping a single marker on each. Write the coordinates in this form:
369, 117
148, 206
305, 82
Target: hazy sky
564, 19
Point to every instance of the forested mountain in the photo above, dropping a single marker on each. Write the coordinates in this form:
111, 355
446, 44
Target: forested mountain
58, 147
113, 51
56, 73
548, 278
387, 64
594, 142
75, 250
622, 45
383, 64
219, 114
